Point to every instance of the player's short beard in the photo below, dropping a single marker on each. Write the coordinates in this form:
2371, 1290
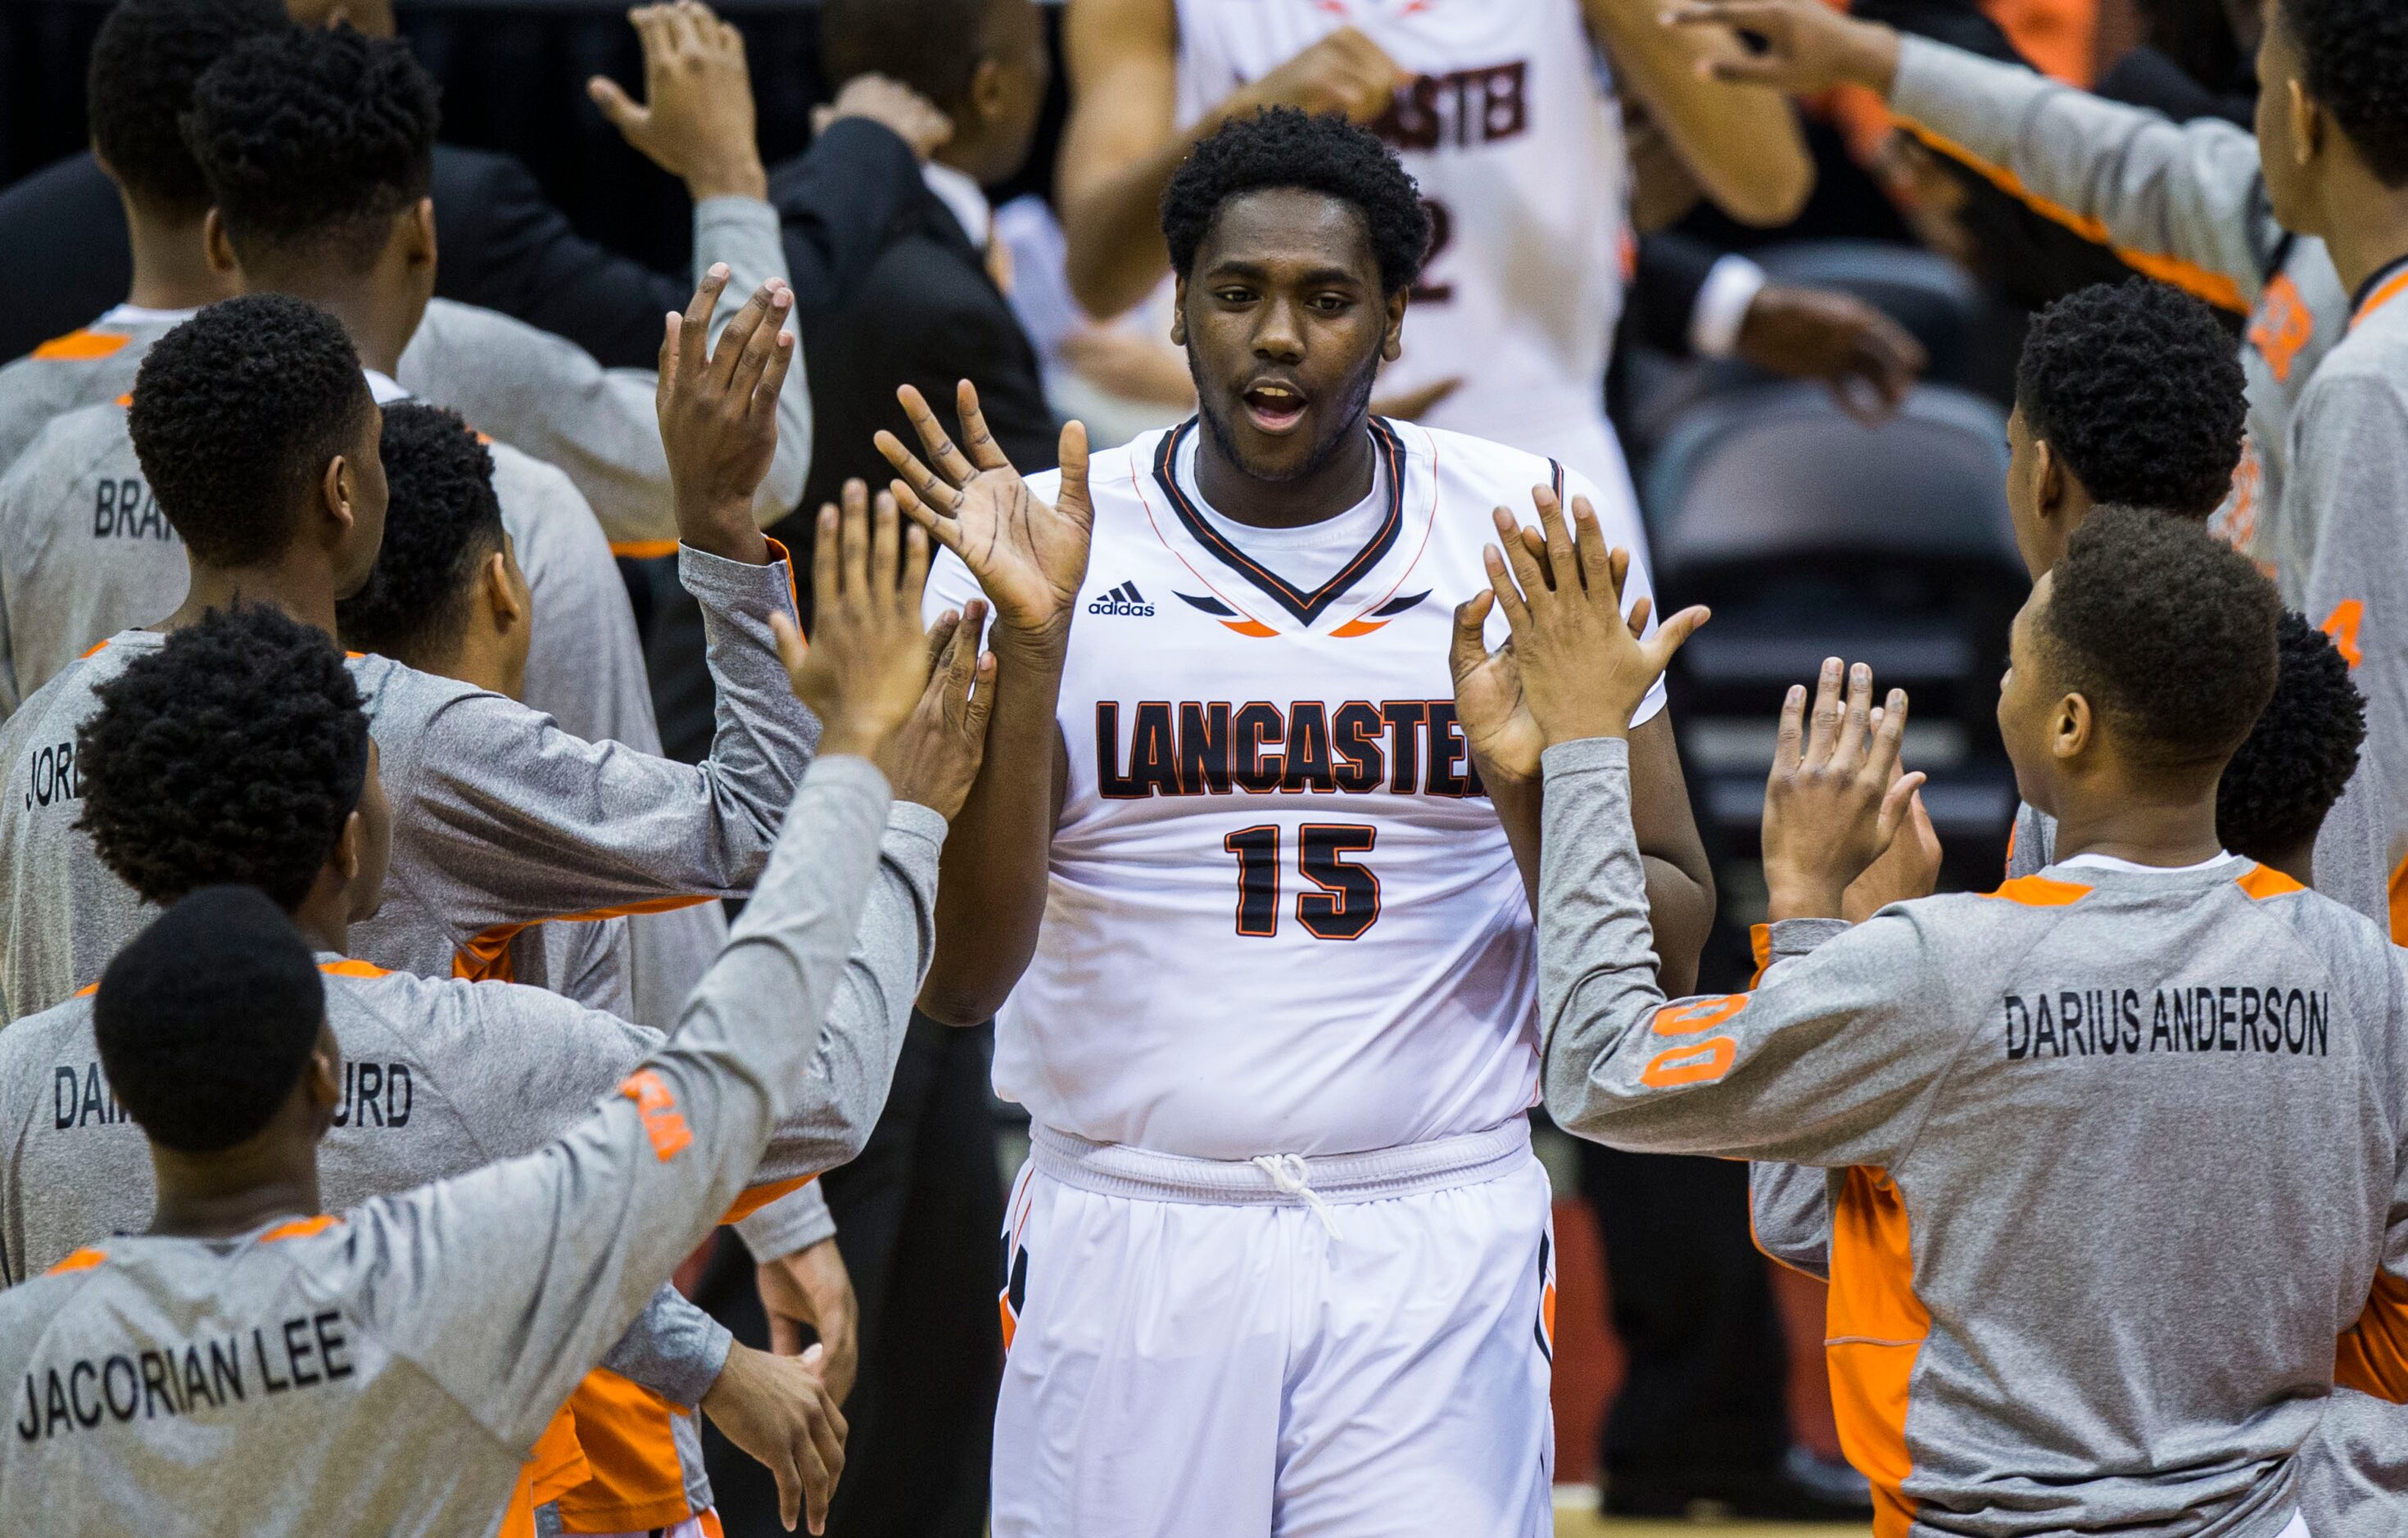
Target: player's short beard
1357, 401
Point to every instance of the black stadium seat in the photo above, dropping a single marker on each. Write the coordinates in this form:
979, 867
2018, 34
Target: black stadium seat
1811, 535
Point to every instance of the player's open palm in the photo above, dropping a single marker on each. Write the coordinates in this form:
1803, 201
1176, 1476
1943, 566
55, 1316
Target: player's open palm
718, 410
1836, 799
934, 760
1029, 556
1583, 672
867, 665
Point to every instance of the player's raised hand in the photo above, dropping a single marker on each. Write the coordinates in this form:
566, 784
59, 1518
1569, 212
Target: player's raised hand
934, 760
1908, 868
1836, 799
1584, 670
780, 1413
695, 121
718, 414
867, 665
1808, 45
1029, 557
1345, 71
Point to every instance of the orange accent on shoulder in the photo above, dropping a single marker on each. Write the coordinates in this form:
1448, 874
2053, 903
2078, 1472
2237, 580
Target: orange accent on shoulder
1875, 1329
2384, 295
83, 1259
82, 347
2197, 282
754, 1198
300, 1227
1353, 629
87, 990
348, 968
642, 550
657, 1104
124, 402
94, 650
2040, 892
2372, 1356
1696, 1015
2342, 625
2263, 881
1250, 627
635, 1479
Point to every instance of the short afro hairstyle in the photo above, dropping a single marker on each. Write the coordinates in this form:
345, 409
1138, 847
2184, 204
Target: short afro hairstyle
2138, 387
932, 46
207, 1019
1283, 147
313, 140
2168, 631
2355, 58
441, 522
236, 413
139, 84
233, 754
2281, 780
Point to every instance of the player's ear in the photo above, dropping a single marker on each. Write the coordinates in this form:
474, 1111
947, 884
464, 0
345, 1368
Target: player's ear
2307, 121
502, 601
323, 1081
335, 489
1392, 343
418, 236
1178, 310
2048, 478
214, 241
345, 859
2073, 727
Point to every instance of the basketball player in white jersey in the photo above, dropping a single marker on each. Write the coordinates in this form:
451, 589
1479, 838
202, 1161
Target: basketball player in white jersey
1280, 1262
1506, 112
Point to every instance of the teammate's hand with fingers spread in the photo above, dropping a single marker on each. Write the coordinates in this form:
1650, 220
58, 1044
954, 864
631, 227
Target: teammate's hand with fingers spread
867, 662
1583, 672
888, 102
812, 1288
1029, 557
1497, 721
1869, 361
718, 414
1835, 800
695, 121
1908, 868
1343, 72
779, 1411
1808, 47
934, 760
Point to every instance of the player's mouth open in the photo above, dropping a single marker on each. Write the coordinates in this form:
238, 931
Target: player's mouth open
1274, 408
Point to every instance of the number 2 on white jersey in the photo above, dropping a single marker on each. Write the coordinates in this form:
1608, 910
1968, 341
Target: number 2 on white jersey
1346, 901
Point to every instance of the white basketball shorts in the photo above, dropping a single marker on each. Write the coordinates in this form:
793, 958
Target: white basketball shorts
1356, 1344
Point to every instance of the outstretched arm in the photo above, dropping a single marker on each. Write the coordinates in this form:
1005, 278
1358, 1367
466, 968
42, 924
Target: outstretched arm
1741, 145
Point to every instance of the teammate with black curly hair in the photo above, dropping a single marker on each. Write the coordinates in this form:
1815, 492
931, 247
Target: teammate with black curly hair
238, 752
2298, 758
2332, 137
2126, 394
1134, 836
447, 595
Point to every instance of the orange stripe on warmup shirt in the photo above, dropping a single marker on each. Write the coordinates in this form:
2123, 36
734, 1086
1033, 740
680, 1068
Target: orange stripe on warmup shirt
1876, 1331
2384, 295
636, 1480
2263, 881
82, 347
2193, 280
2040, 892
2372, 1356
300, 1227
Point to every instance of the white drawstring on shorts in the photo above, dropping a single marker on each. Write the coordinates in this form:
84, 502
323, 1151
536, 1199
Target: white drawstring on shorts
1288, 1172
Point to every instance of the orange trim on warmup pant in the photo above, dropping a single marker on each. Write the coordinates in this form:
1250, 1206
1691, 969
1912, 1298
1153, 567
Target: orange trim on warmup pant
1876, 1331
2371, 1355
636, 1480
2195, 280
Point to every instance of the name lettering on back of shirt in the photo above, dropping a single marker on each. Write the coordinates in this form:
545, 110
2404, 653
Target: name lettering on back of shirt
375, 1095
1404, 747
305, 1351
2109, 1022
51, 775
123, 508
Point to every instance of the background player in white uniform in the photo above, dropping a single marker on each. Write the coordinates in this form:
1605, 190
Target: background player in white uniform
1280, 1261
1508, 117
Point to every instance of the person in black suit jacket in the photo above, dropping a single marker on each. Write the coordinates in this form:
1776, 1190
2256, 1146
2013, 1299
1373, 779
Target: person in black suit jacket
65, 257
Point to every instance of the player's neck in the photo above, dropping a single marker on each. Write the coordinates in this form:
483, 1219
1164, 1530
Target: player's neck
325, 915
171, 264
300, 585
218, 1196
379, 324
1317, 496
2171, 830
2369, 229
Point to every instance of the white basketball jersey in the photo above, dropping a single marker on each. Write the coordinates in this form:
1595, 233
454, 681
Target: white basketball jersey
1282, 916
1511, 127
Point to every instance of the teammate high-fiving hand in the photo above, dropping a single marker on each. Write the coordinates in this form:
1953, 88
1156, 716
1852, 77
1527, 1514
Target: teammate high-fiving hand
718, 414
1808, 45
1582, 670
1835, 799
934, 760
779, 1411
1028, 557
867, 665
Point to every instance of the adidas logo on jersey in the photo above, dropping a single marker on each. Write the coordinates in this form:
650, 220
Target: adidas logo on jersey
1124, 599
